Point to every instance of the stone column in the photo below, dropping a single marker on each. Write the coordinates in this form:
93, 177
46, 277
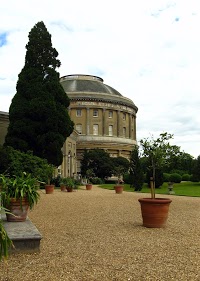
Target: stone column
134, 129
88, 121
104, 123
130, 126
118, 123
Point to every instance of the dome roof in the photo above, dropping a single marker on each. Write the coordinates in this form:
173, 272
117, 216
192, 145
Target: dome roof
89, 87
86, 83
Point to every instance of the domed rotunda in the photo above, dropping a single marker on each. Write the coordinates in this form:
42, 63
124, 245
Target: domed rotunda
103, 117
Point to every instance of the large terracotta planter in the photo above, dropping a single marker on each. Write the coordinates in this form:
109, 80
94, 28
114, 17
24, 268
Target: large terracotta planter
154, 211
49, 188
19, 210
119, 189
88, 186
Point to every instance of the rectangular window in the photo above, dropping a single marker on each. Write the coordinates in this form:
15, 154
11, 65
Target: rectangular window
124, 116
110, 114
95, 113
110, 130
95, 130
79, 128
124, 131
78, 112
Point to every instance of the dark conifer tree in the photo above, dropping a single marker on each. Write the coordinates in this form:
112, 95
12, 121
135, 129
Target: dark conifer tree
39, 119
136, 172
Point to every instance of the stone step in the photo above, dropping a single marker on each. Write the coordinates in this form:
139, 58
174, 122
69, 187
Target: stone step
24, 235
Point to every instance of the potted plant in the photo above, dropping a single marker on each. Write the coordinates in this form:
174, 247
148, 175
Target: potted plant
67, 184
155, 210
19, 194
120, 166
49, 186
89, 175
63, 186
119, 186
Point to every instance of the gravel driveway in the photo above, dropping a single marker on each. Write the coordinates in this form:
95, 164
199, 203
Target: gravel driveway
98, 235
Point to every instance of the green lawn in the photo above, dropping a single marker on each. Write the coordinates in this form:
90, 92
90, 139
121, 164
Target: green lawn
181, 189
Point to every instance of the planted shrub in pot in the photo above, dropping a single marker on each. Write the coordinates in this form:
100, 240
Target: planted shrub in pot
49, 185
119, 186
89, 175
67, 184
120, 167
19, 194
155, 210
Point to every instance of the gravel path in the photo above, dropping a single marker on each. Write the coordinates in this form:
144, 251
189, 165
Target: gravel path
98, 235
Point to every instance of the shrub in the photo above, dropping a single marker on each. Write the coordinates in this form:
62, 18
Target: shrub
126, 178
96, 180
194, 178
166, 177
16, 162
175, 178
185, 177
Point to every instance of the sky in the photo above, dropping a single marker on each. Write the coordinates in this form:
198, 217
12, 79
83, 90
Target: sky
148, 50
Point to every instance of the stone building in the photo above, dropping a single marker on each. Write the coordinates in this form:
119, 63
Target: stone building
4, 121
103, 119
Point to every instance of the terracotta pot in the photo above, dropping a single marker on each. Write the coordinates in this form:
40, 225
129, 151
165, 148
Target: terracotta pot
49, 188
63, 187
19, 211
154, 211
89, 186
69, 188
119, 189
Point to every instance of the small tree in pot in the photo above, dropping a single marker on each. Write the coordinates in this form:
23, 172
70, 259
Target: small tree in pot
155, 210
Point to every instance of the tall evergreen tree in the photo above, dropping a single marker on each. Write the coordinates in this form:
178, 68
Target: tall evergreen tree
39, 120
136, 173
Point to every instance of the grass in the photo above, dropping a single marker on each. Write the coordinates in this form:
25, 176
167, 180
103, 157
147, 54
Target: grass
191, 189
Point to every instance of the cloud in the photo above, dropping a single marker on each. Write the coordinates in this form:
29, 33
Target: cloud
146, 50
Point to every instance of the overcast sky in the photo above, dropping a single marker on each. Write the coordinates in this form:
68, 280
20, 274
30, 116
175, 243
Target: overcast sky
148, 50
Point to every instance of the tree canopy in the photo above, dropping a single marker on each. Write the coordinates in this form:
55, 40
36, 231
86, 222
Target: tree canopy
39, 119
157, 151
98, 162
136, 172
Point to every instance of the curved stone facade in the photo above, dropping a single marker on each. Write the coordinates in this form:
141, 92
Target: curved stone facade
103, 117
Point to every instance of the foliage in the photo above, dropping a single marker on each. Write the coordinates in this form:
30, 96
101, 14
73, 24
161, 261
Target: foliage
136, 174
166, 177
120, 166
96, 180
185, 177
157, 151
15, 163
20, 187
181, 189
126, 178
69, 182
56, 180
97, 160
178, 160
196, 169
39, 120
175, 178
159, 179
194, 178
5, 241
